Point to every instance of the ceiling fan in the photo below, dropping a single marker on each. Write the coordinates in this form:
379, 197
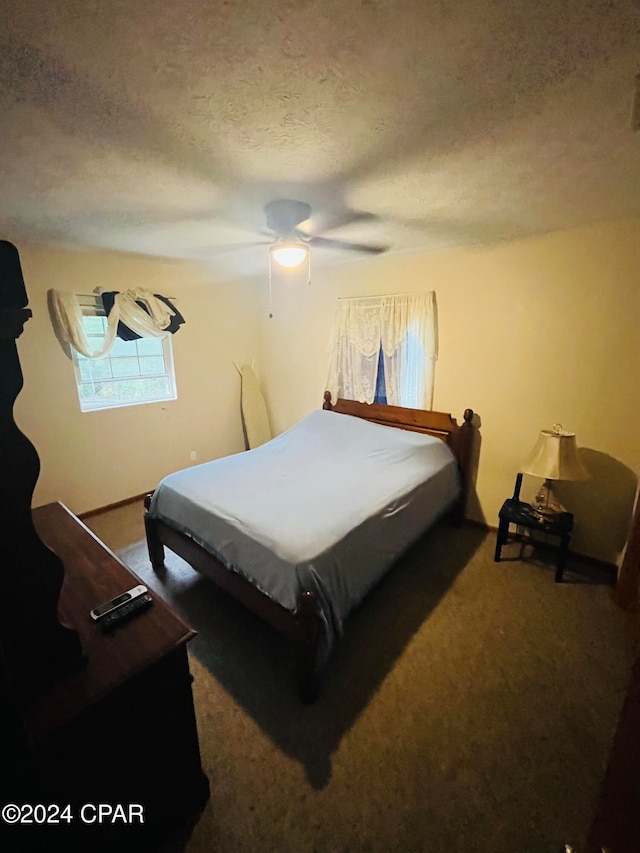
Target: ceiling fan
291, 246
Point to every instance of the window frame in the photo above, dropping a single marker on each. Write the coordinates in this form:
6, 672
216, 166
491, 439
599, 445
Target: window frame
91, 306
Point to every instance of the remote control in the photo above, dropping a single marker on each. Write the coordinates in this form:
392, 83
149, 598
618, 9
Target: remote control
125, 611
103, 609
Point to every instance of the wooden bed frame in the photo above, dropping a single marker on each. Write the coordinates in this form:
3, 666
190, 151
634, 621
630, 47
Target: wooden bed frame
303, 626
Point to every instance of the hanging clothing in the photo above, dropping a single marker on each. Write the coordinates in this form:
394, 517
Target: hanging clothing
127, 334
141, 313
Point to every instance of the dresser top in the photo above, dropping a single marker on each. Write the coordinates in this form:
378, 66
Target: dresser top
94, 574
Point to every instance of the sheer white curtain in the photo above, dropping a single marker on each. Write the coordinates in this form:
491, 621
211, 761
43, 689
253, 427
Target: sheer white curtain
66, 317
404, 326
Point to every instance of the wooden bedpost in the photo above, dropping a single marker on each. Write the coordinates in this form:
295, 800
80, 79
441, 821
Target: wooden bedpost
328, 405
154, 545
306, 671
464, 445
466, 440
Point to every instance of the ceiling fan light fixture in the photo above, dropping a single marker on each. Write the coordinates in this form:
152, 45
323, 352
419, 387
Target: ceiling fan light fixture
289, 253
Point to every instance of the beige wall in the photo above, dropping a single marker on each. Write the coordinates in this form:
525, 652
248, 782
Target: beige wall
92, 459
532, 332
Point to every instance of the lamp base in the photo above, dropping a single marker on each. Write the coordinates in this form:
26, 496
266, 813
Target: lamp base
545, 502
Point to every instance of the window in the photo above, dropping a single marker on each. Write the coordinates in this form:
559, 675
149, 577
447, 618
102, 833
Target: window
384, 348
139, 371
381, 386
403, 377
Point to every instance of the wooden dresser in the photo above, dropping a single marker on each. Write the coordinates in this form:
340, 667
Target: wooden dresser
119, 727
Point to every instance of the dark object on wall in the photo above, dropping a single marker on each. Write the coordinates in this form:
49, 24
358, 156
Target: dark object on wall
124, 332
35, 646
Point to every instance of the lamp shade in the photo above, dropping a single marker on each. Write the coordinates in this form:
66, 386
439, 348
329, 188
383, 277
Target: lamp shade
555, 457
289, 253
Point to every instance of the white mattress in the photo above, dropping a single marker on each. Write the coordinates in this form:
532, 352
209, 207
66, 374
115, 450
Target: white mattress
328, 505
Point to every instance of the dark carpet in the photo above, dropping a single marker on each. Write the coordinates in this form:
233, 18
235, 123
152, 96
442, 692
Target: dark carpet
470, 706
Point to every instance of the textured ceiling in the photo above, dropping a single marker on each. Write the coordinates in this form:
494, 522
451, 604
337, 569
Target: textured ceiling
162, 127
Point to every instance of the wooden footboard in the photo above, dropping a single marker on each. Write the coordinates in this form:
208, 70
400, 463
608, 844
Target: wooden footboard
301, 627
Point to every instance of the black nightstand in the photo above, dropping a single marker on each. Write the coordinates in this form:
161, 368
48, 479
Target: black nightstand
514, 511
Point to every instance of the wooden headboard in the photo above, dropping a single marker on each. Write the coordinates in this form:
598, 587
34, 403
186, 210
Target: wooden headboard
439, 424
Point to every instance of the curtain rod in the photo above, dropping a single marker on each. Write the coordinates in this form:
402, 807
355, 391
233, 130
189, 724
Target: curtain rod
86, 298
380, 296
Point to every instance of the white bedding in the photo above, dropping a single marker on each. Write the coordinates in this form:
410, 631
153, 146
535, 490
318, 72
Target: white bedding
328, 505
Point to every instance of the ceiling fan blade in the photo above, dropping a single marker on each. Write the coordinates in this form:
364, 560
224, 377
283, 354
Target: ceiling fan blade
319, 223
341, 244
232, 247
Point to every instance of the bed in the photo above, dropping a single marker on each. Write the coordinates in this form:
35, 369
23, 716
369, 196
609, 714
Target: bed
301, 528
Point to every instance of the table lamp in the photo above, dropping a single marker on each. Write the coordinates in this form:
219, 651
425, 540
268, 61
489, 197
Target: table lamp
554, 457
